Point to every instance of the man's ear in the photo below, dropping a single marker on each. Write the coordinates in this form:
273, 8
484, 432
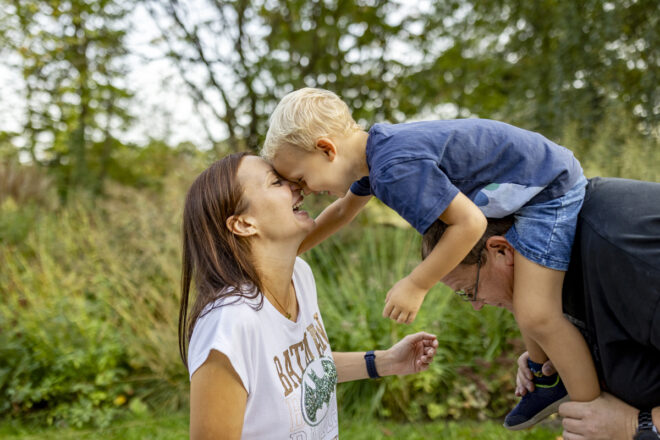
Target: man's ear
241, 225
499, 247
327, 147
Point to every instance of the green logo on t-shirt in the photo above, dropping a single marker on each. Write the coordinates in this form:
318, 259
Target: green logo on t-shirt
318, 387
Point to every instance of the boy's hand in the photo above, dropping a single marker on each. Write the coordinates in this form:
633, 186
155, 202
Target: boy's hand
403, 301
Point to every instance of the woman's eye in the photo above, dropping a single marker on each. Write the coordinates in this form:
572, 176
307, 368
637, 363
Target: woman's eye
277, 182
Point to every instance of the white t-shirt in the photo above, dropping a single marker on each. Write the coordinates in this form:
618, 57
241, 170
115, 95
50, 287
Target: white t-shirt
285, 366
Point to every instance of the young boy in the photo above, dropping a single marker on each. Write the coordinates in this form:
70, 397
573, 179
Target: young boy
458, 171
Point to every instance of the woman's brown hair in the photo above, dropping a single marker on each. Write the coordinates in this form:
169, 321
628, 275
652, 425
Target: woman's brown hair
217, 261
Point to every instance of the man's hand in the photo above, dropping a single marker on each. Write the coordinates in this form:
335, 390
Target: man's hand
604, 418
403, 301
524, 377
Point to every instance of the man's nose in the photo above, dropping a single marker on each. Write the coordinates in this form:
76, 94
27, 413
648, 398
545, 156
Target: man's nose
477, 305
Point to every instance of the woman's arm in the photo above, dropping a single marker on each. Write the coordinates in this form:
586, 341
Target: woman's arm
215, 389
411, 354
338, 214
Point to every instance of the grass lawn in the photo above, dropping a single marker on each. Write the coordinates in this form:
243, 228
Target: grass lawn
175, 426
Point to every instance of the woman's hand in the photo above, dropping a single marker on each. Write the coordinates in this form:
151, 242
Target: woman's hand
412, 354
524, 377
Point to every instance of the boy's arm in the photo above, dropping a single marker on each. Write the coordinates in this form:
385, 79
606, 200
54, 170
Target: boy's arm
334, 217
465, 226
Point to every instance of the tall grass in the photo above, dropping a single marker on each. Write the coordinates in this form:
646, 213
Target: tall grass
473, 371
89, 309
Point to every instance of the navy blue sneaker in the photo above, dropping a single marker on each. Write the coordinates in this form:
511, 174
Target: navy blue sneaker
549, 392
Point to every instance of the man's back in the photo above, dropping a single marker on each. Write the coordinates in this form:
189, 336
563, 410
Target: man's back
613, 285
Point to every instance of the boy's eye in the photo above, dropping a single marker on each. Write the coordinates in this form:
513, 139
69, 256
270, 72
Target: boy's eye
277, 182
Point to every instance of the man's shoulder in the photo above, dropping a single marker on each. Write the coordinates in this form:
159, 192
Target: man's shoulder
625, 216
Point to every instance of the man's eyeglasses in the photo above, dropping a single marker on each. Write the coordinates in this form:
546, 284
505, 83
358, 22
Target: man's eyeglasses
471, 294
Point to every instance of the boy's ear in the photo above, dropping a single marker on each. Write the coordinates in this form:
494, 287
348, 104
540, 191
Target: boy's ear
241, 225
499, 246
327, 147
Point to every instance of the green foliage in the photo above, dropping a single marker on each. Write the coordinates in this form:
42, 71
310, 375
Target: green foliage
618, 149
71, 57
90, 301
473, 374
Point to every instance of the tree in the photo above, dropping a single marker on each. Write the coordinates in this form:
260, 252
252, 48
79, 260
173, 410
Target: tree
547, 64
240, 57
70, 53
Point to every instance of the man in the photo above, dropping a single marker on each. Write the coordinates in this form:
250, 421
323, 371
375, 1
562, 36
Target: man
612, 294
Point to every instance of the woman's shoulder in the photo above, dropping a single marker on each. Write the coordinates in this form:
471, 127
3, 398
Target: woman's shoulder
220, 326
302, 267
229, 311
303, 272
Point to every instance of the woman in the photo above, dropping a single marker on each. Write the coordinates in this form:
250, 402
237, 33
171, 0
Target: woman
259, 356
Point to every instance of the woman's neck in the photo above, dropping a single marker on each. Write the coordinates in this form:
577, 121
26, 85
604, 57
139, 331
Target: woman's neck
275, 262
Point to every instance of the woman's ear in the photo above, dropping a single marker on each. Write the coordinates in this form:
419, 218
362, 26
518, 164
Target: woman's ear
500, 248
241, 225
327, 147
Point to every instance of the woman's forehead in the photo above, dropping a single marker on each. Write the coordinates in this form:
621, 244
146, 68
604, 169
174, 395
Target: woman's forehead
253, 170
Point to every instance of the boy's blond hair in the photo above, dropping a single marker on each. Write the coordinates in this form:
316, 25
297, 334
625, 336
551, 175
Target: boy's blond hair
304, 116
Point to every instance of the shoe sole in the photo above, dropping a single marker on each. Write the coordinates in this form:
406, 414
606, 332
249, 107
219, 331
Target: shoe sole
540, 416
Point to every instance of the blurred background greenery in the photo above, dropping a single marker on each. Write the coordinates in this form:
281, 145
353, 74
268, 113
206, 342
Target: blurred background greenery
89, 220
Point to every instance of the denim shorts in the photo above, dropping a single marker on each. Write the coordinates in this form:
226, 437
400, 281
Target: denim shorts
544, 232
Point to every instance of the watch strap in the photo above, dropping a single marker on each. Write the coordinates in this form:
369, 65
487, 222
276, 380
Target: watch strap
370, 360
645, 423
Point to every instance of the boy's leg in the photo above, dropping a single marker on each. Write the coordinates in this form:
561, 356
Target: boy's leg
535, 351
538, 311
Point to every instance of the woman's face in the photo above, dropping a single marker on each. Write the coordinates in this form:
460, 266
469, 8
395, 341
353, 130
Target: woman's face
272, 202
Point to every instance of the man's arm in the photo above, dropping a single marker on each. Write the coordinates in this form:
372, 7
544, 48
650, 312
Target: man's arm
605, 418
333, 218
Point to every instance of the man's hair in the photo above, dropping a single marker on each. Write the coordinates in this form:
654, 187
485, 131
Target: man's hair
305, 115
496, 226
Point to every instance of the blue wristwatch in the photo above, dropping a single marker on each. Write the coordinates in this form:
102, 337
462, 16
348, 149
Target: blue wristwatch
370, 359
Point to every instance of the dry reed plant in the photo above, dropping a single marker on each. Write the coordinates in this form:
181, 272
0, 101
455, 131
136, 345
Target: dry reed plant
25, 183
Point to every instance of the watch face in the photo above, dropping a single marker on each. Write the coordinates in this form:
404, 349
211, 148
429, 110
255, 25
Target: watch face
646, 435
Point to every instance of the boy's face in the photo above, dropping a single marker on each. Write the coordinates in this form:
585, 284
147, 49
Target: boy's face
315, 171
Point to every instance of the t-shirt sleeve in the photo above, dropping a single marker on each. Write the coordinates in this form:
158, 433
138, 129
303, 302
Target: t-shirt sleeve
416, 189
361, 187
305, 276
217, 330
